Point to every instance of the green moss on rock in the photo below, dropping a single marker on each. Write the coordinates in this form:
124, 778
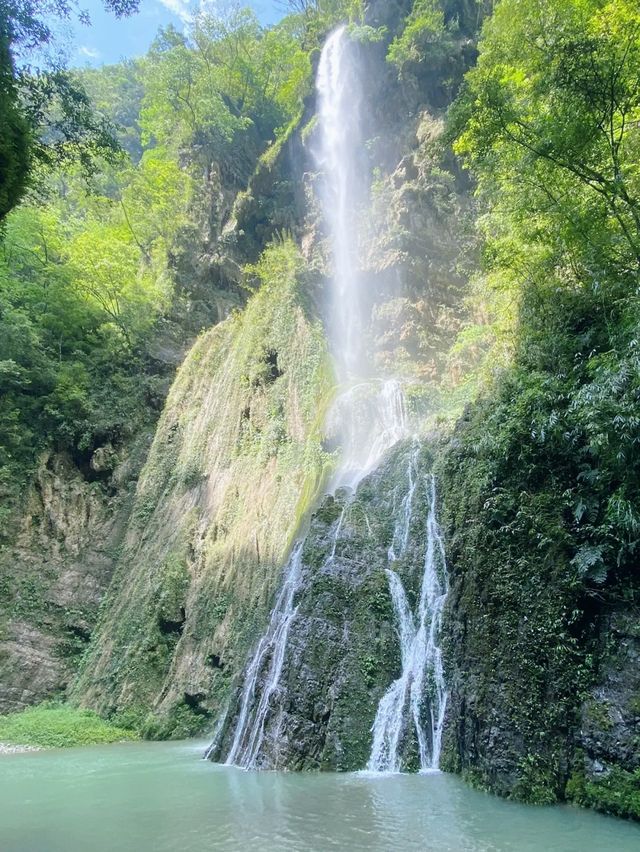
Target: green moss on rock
617, 792
235, 463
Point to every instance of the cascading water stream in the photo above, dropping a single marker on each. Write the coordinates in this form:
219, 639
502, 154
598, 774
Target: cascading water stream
262, 677
270, 654
418, 698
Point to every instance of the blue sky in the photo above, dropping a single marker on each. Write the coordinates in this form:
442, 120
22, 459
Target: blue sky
109, 39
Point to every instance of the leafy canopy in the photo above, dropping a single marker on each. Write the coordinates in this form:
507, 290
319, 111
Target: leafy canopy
46, 117
550, 122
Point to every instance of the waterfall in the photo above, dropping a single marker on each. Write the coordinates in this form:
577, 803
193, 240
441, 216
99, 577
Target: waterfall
262, 677
417, 700
338, 156
369, 414
266, 662
402, 525
370, 418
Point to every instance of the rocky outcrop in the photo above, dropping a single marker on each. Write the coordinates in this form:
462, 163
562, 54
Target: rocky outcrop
610, 715
606, 761
58, 567
541, 659
343, 646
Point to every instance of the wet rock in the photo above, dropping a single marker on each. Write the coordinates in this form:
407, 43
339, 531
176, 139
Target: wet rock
342, 650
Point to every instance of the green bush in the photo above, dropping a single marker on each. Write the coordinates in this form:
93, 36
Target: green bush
617, 792
59, 726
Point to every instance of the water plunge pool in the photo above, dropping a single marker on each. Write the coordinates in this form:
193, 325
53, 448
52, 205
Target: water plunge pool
162, 797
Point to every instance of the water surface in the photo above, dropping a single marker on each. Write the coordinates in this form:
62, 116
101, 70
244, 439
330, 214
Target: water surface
161, 797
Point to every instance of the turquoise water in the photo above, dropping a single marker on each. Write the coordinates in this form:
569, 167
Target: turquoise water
161, 797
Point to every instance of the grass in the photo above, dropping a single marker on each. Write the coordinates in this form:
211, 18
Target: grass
59, 726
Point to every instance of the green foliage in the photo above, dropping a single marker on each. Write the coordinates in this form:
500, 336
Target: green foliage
117, 92
228, 82
424, 27
564, 249
433, 29
47, 118
59, 726
319, 15
616, 792
535, 785
79, 294
541, 479
66, 130
15, 143
552, 106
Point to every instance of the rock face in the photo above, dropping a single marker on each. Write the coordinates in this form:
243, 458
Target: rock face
57, 570
342, 648
234, 463
66, 537
606, 764
610, 716
542, 664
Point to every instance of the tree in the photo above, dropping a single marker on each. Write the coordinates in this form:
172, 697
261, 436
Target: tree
225, 90
550, 122
15, 141
46, 115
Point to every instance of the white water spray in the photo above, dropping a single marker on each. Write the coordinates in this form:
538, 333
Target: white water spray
418, 698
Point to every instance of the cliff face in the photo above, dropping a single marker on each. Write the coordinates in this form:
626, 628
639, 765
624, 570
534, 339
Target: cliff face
235, 460
56, 570
323, 686
66, 531
541, 651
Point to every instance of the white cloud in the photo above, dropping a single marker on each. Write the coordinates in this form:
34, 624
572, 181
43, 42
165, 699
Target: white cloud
181, 8
89, 52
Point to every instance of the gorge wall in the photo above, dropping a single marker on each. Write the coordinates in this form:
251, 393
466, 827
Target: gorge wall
156, 582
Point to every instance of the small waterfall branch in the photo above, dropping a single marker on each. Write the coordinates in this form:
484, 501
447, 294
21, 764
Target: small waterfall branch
266, 663
416, 702
262, 677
